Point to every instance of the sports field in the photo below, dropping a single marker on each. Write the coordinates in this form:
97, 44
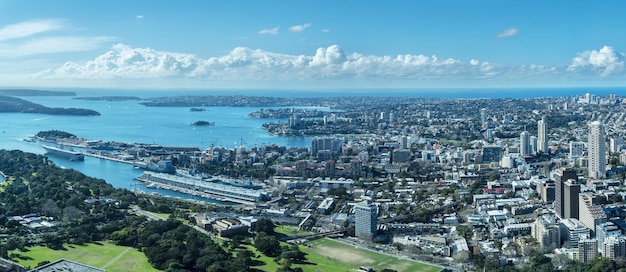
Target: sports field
337, 254
105, 255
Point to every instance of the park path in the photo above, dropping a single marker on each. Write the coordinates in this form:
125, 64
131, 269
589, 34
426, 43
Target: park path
116, 258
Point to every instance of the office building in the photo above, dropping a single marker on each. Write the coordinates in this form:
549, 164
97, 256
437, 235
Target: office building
614, 247
524, 144
572, 231
330, 144
365, 220
603, 231
564, 205
542, 137
591, 214
492, 154
597, 150
587, 249
615, 144
545, 189
576, 149
546, 231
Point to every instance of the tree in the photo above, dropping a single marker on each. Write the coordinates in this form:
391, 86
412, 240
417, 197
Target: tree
293, 254
264, 225
267, 244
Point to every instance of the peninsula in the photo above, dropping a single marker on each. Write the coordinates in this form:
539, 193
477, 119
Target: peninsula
28, 92
14, 104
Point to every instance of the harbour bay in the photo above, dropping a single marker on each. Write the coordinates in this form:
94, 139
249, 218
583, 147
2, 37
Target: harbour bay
130, 122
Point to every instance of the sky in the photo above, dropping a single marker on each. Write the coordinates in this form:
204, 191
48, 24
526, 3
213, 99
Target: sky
319, 44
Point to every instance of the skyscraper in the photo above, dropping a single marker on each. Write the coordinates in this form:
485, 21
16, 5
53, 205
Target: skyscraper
542, 136
524, 144
483, 118
563, 199
597, 150
365, 220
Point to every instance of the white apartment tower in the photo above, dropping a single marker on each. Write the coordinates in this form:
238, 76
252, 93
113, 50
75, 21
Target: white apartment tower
365, 220
524, 144
542, 136
597, 150
483, 118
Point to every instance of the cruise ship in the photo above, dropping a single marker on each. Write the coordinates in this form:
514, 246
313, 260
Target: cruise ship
69, 154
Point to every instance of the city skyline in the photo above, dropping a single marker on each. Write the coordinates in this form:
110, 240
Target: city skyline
247, 44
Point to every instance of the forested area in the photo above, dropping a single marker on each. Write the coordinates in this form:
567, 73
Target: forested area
36, 185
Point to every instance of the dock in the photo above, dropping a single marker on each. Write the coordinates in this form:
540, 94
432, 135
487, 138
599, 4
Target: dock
91, 154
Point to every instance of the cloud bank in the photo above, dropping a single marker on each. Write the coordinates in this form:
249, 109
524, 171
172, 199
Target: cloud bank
507, 33
268, 31
326, 63
299, 28
37, 37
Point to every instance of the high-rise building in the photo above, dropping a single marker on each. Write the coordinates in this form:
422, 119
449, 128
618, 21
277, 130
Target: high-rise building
603, 231
614, 247
591, 214
492, 154
366, 215
483, 118
597, 150
524, 144
542, 137
572, 231
533, 143
576, 149
615, 144
563, 202
545, 189
332, 144
546, 231
587, 249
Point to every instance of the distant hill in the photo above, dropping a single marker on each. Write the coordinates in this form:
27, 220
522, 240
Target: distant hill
14, 104
27, 92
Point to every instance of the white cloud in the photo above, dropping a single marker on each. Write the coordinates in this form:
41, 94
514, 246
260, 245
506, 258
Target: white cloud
605, 61
299, 28
46, 45
243, 64
269, 31
28, 28
325, 30
507, 33
34, 38
139, 17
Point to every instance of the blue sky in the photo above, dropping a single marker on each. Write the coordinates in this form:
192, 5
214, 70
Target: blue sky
311, 44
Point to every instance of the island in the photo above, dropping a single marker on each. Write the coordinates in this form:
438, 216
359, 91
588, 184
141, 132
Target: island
197, 109
203, 123
14, 104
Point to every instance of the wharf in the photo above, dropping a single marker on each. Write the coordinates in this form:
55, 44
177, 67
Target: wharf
94, 155
196, 193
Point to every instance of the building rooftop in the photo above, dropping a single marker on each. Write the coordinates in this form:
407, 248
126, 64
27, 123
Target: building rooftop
63, 265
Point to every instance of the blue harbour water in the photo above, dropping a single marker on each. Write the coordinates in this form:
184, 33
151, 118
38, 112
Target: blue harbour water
128, 121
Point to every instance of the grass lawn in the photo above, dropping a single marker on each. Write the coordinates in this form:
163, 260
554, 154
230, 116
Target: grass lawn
337, 253
287, 230
101, 255
329, 255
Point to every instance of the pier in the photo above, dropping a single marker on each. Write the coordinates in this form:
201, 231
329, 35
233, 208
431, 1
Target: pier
94, 155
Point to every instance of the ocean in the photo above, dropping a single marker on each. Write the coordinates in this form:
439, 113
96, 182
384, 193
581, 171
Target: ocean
128, 121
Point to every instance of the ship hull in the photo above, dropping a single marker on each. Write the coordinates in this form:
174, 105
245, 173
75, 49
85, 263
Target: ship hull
68, 154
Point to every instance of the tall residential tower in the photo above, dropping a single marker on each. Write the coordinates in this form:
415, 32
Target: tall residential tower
597, 150
542, 136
